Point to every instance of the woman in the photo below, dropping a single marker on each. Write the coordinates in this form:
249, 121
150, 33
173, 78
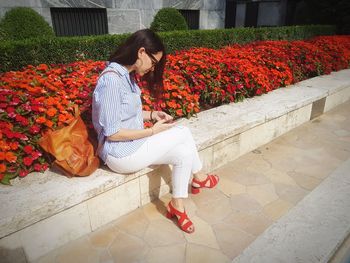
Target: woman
126, 146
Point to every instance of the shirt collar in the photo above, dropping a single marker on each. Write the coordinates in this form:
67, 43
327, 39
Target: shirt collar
124, 72
121, 69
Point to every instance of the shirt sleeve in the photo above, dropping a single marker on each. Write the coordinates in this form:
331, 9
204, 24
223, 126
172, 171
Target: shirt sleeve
108, 102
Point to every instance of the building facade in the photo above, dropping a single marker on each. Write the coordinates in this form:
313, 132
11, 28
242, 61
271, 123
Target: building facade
78, 17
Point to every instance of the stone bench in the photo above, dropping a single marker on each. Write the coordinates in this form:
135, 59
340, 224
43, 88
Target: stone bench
44, 211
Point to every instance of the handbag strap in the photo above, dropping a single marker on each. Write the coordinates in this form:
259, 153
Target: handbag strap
110, 71
76, 111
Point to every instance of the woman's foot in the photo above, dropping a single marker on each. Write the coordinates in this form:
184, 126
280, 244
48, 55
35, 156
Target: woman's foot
182, 219
201, 181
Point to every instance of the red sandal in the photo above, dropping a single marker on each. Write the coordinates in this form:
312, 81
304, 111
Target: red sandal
182, 216
212, 178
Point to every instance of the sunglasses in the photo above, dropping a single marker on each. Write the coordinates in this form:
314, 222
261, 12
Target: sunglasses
153, 59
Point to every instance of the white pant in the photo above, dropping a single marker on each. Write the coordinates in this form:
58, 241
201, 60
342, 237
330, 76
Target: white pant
174, 146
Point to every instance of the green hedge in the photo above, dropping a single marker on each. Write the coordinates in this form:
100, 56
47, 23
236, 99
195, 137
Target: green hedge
23, 22
16, 54
168, 19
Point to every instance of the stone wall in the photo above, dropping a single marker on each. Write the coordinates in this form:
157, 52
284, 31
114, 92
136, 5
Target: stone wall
129, 15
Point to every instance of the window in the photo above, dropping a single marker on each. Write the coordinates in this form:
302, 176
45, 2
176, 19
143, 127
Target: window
230, 13
191, 17
79, 21
251, 15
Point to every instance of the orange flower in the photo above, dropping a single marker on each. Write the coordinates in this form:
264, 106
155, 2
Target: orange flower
51, 112
2, 156
42, 67
4, 146
172, 104
40, 120
179, 112
2, 167
14, 145
10, 157
50, 101
49, 123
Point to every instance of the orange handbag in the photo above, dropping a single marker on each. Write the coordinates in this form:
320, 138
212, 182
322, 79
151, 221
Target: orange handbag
71, 148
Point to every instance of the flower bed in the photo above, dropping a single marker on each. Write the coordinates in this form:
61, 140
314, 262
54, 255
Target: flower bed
39, 98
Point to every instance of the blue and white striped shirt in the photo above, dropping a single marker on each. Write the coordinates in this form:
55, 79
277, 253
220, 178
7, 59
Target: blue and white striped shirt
116, 104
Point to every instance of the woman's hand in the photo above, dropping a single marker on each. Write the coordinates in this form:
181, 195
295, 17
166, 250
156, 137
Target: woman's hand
161, 125
161, 115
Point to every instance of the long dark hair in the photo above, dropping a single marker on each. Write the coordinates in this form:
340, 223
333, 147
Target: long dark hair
126, 54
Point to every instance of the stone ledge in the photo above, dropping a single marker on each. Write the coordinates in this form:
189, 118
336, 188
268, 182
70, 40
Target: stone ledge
41, 201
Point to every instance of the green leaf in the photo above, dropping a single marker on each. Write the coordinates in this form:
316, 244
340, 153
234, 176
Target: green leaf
6, 180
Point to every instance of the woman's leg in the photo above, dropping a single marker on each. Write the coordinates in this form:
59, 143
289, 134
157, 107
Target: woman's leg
176, 147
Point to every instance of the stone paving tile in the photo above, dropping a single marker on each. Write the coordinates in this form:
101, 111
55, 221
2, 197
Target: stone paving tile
263, 194
163, 233
128, 248
80, 251
201, 254
229, 187
305, 181
207, 196
103, 237
203, 235
232, 240
157, 208
250, 177
292, 194
215, 210
246, 162
168, 254
276, 209
277, 176
245, 203
105, 257
135, 223
253, 224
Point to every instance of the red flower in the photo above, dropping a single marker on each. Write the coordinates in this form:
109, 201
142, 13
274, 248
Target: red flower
10, 110
44, 166
28, 149
23, 173
37, 167
2, 167
36, 155
14, 101
27, 161
34, 129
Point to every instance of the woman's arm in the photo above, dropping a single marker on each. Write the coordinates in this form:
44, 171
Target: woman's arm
146, 115
127, 134
156, 115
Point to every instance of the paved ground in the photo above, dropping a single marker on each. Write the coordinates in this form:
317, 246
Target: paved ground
254, 192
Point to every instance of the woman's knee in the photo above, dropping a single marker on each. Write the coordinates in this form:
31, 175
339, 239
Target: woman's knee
183, 154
